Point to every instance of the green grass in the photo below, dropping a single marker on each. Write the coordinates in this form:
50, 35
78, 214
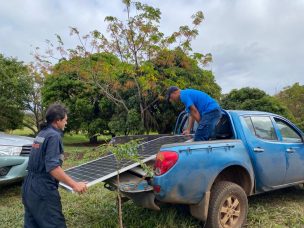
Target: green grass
24, 132
81, 138
97, 208
76, 138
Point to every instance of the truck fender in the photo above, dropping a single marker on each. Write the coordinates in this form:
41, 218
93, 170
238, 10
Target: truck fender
235, 170
200, 210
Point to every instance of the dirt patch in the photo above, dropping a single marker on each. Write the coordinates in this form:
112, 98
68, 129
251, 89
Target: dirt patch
79, 156
66, 155
75, 156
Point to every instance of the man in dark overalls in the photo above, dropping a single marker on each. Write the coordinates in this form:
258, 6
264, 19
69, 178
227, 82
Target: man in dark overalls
40, 194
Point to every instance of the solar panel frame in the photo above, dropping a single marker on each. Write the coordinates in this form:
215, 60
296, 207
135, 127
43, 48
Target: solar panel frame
105, 167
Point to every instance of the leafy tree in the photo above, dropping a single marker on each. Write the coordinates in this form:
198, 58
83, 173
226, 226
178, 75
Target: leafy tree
254, 99
176, 68
89, 111
15, 85
293, 98
134, 84
35, 111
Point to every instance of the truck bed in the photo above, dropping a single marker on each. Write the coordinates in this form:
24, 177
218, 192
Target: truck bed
105, 167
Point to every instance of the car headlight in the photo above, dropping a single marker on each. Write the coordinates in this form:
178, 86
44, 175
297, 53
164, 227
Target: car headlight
10, 150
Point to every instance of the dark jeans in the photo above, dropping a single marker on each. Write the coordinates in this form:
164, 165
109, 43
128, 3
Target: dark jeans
206, 126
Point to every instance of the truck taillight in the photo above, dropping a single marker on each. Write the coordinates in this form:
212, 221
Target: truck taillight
164, 161
156, 188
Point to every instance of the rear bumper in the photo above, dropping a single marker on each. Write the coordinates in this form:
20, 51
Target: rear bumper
173, 190
14, 168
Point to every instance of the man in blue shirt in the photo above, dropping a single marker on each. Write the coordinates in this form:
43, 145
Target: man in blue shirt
202, 108
40, 194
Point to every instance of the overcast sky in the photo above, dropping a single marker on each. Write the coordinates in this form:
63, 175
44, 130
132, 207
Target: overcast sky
255, 43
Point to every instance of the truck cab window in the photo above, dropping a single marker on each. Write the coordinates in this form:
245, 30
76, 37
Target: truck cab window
249, 124
289, 135
261, 126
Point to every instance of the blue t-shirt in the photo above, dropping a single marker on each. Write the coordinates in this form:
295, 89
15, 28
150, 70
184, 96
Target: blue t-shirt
202, 101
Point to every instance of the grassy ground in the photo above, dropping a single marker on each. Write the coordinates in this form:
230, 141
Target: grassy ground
24, 132
97, 208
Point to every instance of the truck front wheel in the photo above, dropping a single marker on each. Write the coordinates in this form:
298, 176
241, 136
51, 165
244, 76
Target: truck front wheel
228, 206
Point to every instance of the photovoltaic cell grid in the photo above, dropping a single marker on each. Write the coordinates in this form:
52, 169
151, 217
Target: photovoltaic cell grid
106, 167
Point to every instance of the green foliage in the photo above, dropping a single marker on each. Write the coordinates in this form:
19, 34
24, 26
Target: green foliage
236, 98
133, 122
126, 151
129, 151
71, 78
89, 111
176, 68
34, 109
293, 98
130, 77
15, 85
139, 42
125, 124
254, 99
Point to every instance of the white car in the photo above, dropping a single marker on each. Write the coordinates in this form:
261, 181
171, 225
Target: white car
14, 154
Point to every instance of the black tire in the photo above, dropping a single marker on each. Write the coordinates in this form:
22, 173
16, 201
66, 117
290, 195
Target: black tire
228, 206
299, 187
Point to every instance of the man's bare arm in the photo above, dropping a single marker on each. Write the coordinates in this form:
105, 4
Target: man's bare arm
190, 126
59, 174
195, 114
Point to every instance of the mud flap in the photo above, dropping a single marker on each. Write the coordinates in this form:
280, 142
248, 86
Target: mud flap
200, 210
142, 195
143, 199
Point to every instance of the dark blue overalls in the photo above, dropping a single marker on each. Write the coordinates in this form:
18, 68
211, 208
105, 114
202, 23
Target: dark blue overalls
40, 194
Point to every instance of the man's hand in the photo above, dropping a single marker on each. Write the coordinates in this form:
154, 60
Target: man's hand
60, 175
80, 187
186, 132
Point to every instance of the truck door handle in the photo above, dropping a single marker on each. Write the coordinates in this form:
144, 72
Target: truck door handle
258, 149
290, 150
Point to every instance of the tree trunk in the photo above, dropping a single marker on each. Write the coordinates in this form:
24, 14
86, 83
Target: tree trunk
119, 196
93, 139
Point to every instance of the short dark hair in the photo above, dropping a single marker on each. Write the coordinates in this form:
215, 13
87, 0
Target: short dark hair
55, 112
170, 90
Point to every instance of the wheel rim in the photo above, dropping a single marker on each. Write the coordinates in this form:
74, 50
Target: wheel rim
230, 212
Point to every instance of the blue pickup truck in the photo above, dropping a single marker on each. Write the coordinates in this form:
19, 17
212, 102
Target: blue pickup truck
251, 153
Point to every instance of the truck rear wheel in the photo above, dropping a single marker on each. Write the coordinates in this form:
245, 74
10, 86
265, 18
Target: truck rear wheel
228, 206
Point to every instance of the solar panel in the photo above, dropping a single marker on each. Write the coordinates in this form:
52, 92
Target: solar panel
105, 167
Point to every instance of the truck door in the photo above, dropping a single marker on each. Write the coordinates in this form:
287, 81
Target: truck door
267, 152
294, 150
